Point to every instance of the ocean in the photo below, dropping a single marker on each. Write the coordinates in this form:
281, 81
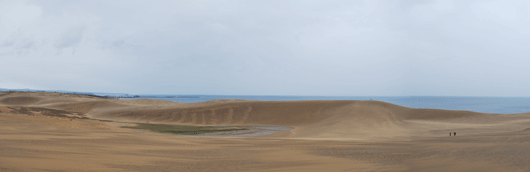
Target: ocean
504, 105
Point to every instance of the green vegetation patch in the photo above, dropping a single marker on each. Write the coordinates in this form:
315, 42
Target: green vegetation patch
102, 120
183, 129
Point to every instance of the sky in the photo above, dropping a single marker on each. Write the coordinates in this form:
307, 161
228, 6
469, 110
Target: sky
268, 47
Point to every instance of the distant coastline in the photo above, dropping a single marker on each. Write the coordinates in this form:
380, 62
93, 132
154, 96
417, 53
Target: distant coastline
101, 95
501, 105
167, 97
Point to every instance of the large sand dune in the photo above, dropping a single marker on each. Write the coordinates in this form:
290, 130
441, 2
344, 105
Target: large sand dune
343, 120
331, 120
339, 135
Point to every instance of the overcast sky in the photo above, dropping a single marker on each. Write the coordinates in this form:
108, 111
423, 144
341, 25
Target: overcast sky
268, 47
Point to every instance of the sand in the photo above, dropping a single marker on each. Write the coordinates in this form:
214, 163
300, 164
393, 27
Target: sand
325, 136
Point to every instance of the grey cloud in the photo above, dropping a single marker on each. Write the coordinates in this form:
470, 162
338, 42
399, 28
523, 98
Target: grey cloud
70, 38
27, 45
7, 43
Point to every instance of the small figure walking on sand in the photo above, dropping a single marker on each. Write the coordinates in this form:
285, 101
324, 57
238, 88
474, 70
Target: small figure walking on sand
454, 134
449, 134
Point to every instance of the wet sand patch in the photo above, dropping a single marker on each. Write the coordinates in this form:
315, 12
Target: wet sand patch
251, 132
183, 129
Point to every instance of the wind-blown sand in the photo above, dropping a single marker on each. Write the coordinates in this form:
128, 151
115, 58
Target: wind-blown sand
326, 136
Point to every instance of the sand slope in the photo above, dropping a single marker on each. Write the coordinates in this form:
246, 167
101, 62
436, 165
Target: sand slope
19, 100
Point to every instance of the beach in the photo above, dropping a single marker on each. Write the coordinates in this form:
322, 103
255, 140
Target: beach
42, 131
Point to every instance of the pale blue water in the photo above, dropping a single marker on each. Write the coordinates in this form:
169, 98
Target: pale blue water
505, 105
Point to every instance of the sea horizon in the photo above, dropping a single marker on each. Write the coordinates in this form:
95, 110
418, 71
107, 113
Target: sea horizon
484, 104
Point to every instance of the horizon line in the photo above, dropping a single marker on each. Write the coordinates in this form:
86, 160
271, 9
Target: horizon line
88, 92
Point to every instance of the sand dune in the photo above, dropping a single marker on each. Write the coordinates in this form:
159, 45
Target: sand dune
339, 120
326, 135
343, 120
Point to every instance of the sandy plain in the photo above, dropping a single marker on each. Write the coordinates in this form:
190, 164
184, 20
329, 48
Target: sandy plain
326, 136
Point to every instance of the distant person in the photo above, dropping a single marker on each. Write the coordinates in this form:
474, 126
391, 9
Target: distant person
454, 134
449, 133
